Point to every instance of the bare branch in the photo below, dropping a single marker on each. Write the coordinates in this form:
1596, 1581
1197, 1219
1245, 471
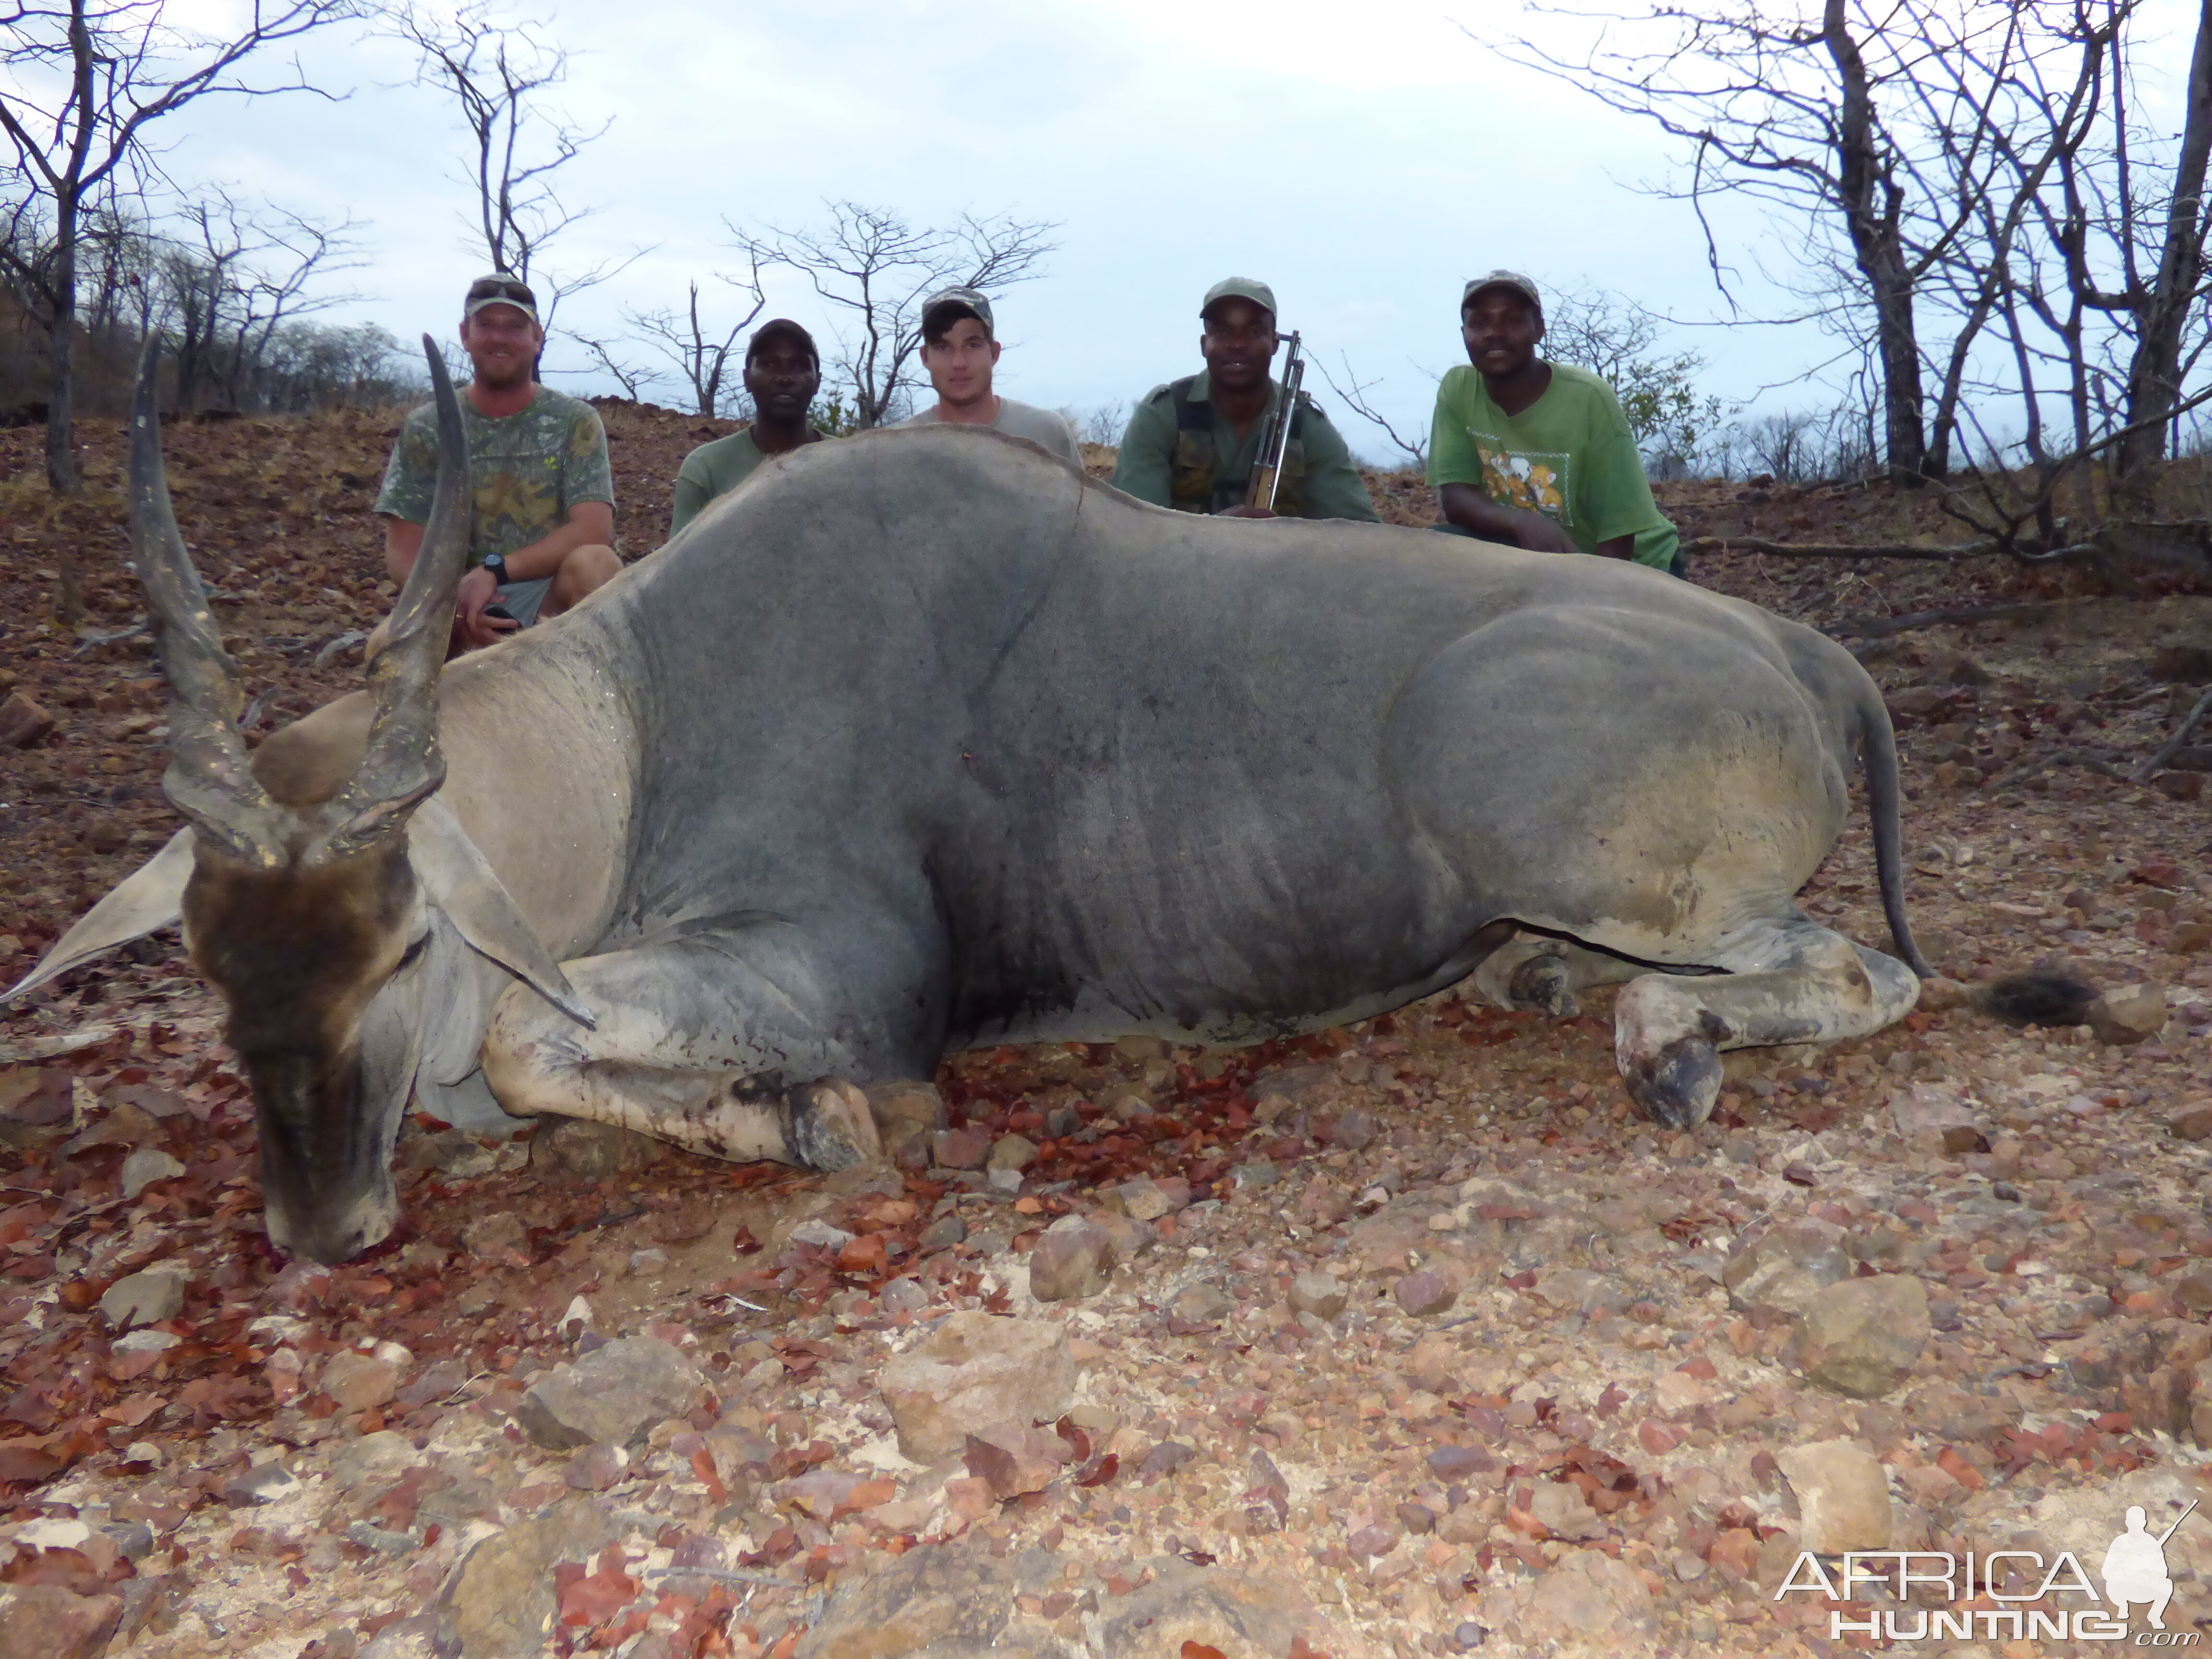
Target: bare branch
498, 73
701, 351
2172, 746
877, 269
80, 83
1353, 395
632, 379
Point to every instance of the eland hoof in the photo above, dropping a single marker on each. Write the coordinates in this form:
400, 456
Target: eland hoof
1540, 985
828, 1126
1677, 1087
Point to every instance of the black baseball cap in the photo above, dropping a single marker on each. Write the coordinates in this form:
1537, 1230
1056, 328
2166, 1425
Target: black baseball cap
781, 328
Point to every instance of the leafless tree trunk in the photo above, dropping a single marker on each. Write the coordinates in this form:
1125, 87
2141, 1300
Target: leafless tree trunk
240, 277
1786, 109
2154, 375
878, 268
1873, 206
84, 79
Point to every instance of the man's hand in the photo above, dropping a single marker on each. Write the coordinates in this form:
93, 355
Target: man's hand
472, 629
1241, 511
1538, 533
1494, 521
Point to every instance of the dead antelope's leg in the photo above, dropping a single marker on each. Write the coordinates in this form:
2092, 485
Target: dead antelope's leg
1536, 971
694, 1043
1785, 981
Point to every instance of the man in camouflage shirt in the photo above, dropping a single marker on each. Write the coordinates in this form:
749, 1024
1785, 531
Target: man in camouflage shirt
542, 520
1192, 442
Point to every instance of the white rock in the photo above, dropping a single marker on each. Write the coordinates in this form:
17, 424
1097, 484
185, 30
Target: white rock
53, 1533
145, 1298
1843, 1496
977, 1371
144, 1167
383, 1456
1923, 1112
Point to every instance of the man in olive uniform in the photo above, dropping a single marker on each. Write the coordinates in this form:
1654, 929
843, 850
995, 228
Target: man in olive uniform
783, 373
1192, 442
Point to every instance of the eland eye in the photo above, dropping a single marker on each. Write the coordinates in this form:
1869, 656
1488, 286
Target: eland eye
413, 951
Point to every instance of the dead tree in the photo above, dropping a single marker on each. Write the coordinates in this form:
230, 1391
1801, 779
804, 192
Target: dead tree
1352, 393
1831, 119
1789, 111
498, 73
875, 267
232, 280
81, 82
700, 350
2162, 306
632, 379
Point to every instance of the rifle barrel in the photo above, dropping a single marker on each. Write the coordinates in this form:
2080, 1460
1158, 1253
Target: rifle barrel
1275, 441
2177, 1520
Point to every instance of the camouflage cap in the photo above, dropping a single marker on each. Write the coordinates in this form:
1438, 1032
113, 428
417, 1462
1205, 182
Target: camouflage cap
500, 289
1239, 287
949, 305
1512, 279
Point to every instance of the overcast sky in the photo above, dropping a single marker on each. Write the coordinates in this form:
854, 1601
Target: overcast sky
1363, 159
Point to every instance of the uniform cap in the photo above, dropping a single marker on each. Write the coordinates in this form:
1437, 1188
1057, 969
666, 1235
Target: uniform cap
1239, 287
500, 289
1512, 279
949, 305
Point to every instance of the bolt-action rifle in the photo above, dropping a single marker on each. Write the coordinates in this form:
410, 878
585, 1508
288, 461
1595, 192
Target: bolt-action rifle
1275, 442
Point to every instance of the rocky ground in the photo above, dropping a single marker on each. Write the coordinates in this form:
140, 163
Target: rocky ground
1402, 1339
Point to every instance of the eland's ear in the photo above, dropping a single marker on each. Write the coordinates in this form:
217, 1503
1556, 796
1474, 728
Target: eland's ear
151, 896
460, 881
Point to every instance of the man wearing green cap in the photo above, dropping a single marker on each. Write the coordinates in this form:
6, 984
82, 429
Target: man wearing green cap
960, 349
1191, 443
542, 524
1536, 454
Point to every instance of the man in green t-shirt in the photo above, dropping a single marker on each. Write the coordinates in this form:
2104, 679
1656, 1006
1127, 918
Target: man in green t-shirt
1536, 454
782, 373
542, 520
1191, 443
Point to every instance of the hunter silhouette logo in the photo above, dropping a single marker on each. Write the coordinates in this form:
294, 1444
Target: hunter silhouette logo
2066, 1606
2135, 1567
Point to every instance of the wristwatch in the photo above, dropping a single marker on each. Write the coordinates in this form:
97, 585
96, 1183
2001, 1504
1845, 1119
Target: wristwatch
496, 564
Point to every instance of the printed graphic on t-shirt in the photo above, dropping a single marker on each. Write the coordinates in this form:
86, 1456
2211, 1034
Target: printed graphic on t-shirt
1524, 477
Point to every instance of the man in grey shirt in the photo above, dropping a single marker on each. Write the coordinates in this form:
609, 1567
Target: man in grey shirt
960, 351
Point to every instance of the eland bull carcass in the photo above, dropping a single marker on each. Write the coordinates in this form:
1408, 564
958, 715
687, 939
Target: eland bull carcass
923, 739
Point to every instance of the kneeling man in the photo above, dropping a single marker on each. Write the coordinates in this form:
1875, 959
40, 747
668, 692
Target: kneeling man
783, 371
1191, 443
960, 349
1537, 454
541, 534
